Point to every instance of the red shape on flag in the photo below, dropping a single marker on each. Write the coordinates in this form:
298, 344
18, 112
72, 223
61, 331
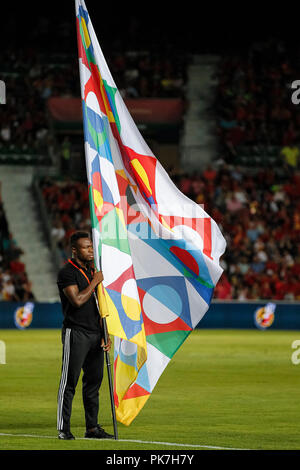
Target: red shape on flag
152, 328
81, 51
135, 391
186, 258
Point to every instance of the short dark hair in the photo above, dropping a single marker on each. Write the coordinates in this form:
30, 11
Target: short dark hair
76, 236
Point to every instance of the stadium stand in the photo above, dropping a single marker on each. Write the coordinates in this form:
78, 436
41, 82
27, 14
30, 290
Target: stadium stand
14, 282
257, 213
257, 123
67, 206
257, 129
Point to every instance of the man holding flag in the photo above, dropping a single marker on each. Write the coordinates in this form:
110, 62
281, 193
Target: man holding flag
82, 337
159, 250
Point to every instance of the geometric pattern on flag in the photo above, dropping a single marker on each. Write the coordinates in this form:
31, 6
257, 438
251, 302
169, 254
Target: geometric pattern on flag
165, 301
181, 254
158, 250
111, 247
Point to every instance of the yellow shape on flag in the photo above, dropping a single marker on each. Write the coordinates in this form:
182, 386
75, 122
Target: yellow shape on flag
98, 199
114, 325
109, 310
122, 173
101, 295
125, 375
140, 340
164, 223
105, 100
129, 409
142, 173
85, 33
131, 307
121, 217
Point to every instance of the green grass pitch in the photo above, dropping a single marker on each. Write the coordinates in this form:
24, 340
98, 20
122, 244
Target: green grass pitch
223, 388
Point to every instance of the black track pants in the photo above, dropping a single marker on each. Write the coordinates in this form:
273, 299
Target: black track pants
81, 350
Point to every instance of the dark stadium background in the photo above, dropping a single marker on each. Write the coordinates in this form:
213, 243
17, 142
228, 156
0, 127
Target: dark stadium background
173, 31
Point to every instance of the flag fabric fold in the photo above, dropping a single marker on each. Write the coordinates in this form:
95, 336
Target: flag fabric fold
158, 250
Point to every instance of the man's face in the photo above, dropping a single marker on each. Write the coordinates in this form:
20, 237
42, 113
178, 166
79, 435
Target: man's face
84, 250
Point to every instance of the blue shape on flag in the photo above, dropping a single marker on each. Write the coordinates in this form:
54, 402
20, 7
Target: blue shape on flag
106, 193
101, 126
160, 288
168, 296
130, 327
129, 359
82, 13
143, 378
97, 124
205, 292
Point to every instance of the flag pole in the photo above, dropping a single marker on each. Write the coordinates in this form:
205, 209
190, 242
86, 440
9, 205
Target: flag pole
108, 364
102, 300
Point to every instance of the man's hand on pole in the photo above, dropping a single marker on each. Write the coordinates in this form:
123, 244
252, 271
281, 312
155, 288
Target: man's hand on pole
98, 277
106, 347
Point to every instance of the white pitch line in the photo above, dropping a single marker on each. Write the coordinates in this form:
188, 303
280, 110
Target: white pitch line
126, 440
179, 445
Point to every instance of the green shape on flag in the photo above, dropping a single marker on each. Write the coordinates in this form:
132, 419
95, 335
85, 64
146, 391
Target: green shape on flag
98, 137
94, 220
111, 92
168, 342
113, 232
189, 275
88, 51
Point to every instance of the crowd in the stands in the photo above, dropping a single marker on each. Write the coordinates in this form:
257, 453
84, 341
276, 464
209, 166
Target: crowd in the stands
253, 102
14, 283
45, 66
259, 215
259, 212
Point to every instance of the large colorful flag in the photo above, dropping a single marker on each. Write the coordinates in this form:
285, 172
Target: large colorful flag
158, 250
